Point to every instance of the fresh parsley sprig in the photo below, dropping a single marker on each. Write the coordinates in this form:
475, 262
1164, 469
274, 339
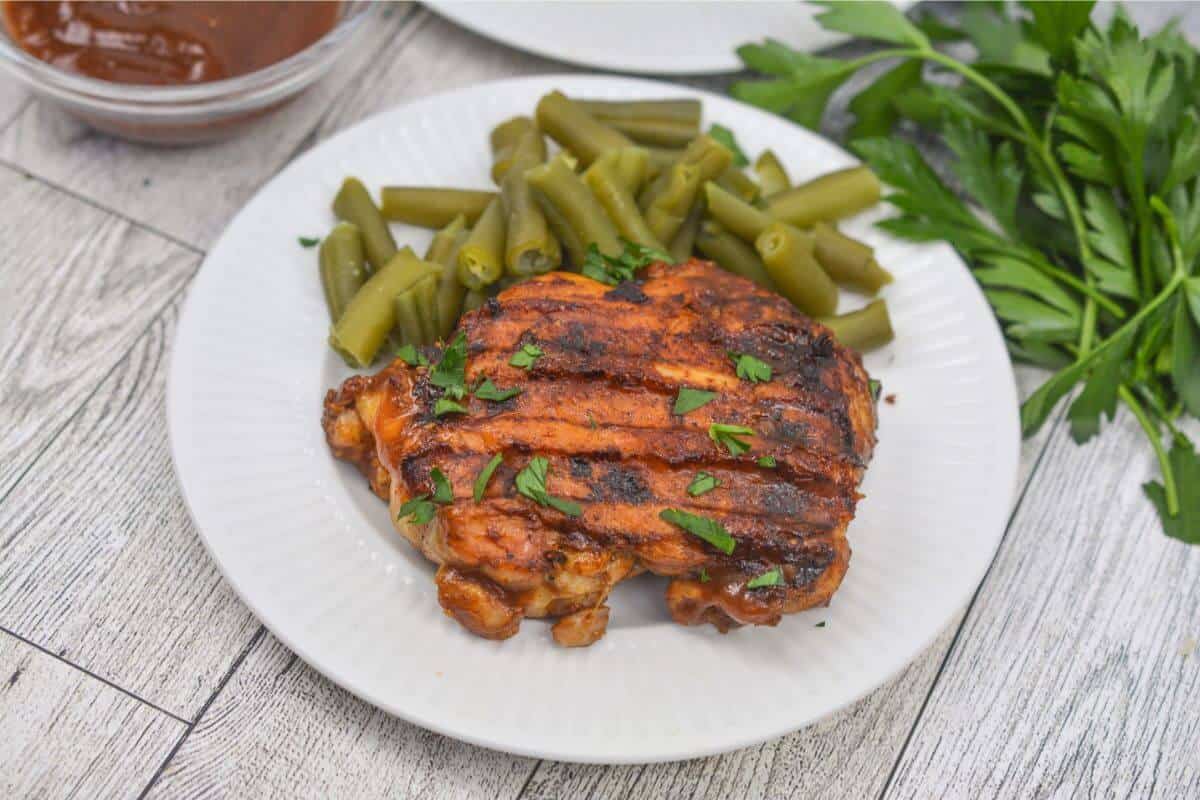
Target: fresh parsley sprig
1076, 198
613, 270
531, 482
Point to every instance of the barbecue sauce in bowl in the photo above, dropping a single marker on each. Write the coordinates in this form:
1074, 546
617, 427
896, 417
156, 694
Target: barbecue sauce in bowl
166, 43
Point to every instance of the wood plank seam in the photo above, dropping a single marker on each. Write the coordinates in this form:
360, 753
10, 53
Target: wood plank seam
90, 674
92, 392
233, 668
971, 605
142, 226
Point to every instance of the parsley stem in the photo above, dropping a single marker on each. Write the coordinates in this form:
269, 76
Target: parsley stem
1155, 437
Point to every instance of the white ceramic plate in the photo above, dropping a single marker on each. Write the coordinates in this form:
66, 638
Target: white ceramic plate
312, 551
659, 38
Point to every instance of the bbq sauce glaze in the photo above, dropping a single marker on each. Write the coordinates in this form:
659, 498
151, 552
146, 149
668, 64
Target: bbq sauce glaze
166, 43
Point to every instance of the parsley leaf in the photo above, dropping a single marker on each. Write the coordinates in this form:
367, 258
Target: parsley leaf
411, 356
309, 241
876, 388
750, 368
445, 405
418, 510
767, 461
531, 482
450, 374
613, 270
726, 139
485, 475
691, 399
488, 391
526, 356
704, 575
701, 484
1185, 351
1185, 464
870, 19
874, 109
710, 530
726, 436
820, 624
443, 492
772, 577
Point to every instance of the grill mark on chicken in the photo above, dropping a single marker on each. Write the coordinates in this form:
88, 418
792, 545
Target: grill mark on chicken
598, 405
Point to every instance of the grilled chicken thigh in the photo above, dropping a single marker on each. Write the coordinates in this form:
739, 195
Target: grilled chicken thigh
598, 405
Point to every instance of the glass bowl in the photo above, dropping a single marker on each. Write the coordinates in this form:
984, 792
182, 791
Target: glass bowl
185, 114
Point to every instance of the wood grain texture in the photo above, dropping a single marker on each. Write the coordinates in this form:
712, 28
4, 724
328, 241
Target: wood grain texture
13, 98
188, 193
66, 734
1077, 673
279, 729
77, 287
99, 561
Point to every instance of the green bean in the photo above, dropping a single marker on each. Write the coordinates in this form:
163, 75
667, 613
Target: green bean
504, 140
444, 250
708, 156
865, 329
408, 316
669, 208
473, 300
827, 198
530, 247
631, 165
659, 160
620, 205
787, 254
433, 207
557, 185
848, 261
565, 234
481, 258
371, 314
685, 238
342, 266
735, 214
354, 204
575, 129
772, 177
681, 110
732, 254
657, 132
739, 183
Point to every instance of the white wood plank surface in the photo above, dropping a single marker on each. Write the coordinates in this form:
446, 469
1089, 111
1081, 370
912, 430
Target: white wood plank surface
1077, 673
65, 734
77, 286
279, 729
13, 98
188, 193
99, 561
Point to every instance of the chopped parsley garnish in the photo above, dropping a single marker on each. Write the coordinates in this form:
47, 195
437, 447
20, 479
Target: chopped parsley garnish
612, 271
704, 575
489, 391
592, 421
418, 510
309, 241
485, 475
526, 356
750, 368
725, 138
445, 405
766, 461
820, 624
876, 389
726, 436
411, 356
531, 482
691, 399
450, 374
772, 577
701, 484
707, 529
443, 492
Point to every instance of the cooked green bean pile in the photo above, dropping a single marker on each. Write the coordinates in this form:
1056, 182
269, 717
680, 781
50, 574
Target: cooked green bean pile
627, 174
